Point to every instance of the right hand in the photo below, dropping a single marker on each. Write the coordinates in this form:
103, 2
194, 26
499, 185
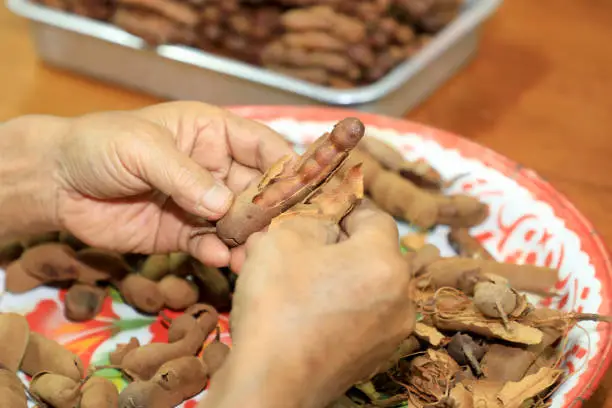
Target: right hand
312, 316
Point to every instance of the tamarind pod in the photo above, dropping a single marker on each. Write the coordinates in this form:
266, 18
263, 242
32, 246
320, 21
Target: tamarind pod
176, 11
404, 34
461, 210
324, 18
135, 261
43, 354
17, 280
466, 245
143, 362
339, 82
55, 390
529, 278
116, 357
213, 286
331, 61
178, 263
14, 337
38, 239
178, 293
214, 354
154, 29
99, 265
99, 392
73, 242
289, 182
186, 376
83, 302
10, 251
155, 267
12, 392
141, 293
313, 40
202, 315
50, 262
147, 394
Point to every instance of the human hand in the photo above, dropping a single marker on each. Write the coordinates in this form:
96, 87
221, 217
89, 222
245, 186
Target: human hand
132, 181
312, 316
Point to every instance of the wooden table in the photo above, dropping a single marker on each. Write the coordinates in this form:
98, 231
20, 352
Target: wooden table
542, 82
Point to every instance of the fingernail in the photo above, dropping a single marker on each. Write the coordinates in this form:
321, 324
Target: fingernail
217, 199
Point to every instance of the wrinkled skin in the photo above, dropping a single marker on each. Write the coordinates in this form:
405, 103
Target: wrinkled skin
324, 312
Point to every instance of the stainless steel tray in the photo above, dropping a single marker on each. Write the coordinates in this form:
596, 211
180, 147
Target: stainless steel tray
108, 53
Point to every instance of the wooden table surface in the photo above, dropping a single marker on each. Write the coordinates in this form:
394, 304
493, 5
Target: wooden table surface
542, 82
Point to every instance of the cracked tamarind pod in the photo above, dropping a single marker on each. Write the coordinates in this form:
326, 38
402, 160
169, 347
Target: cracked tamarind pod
289, 182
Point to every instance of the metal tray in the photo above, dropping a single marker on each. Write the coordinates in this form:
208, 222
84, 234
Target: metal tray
106, 52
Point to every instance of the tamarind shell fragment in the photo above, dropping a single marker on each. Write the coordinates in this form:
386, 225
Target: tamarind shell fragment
17, 280
43, 354
178, 293
14, 338
289, 181
55, 390
99, 392
12, 391
50, 262
83, 302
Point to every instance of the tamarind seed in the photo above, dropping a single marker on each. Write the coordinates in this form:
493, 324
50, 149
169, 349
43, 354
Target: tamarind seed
99, 392
17, 280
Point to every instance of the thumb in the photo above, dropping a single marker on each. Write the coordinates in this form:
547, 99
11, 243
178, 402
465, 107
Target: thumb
191, 186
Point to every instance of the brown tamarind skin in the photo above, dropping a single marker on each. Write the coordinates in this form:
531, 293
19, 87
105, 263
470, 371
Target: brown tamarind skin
43, 354
55, 390
255, 208
12, 392
14, 338
99, 392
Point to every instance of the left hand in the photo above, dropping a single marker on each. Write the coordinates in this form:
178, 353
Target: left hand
131, 181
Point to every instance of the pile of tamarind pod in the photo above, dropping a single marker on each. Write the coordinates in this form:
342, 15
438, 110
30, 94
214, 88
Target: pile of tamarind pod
477, 342
335, 43
148, 283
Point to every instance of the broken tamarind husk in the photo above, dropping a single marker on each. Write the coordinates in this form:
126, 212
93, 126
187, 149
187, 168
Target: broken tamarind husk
55, 390
288, 182
466, 351
141, 293
14, 338
83, 302
155, 267
178, 293
465, 245
43, 354
99, 392
174, 382
215, 353
12, 390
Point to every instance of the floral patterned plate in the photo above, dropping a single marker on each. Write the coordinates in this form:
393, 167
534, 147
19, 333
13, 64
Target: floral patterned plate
529, 222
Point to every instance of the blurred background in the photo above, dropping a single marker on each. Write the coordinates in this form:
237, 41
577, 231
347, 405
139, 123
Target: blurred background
520, 76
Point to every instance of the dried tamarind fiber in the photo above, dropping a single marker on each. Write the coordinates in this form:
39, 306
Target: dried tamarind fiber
55, 390
14, 338
288, 182
99, 392
12, 390
83, 302
43, 354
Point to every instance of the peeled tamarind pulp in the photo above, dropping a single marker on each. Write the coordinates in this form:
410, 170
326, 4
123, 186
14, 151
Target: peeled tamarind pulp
288, 182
